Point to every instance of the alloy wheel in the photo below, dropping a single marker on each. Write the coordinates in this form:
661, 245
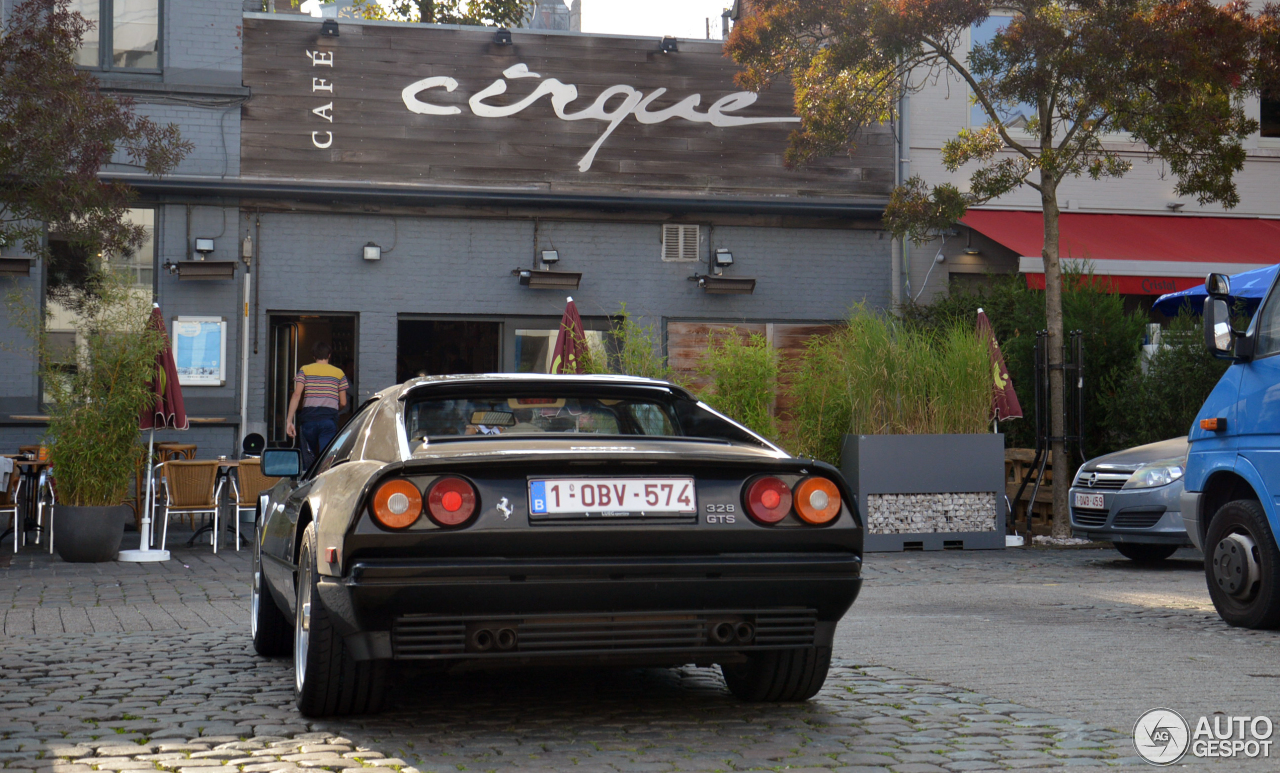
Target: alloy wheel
302, 629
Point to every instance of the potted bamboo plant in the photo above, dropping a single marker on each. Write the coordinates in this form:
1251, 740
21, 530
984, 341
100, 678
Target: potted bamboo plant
94, 396
905, 412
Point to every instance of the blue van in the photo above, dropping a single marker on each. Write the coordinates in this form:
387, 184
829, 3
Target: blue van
1231, 499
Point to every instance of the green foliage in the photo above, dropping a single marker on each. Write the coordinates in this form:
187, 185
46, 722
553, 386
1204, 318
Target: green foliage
631, 349
1112, 341
1161, 400
743, 379
57, 131
878, 375
93, 407
480, 13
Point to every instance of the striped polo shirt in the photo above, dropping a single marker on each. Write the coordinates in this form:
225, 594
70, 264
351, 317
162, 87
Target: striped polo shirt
321, 383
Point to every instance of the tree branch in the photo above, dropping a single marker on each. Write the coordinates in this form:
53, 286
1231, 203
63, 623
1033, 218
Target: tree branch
982, 97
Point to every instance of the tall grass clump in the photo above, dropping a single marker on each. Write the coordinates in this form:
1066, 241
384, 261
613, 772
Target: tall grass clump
743, 376
880, 376
630, 349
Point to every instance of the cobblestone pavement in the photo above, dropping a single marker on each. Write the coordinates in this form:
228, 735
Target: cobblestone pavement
147, 667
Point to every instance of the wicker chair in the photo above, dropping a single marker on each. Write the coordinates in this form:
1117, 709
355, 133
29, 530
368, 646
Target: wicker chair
9, 505
191, 488
247, 484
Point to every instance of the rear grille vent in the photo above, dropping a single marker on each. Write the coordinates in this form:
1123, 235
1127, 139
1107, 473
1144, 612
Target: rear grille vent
1084, 517
419, 637
1138, 519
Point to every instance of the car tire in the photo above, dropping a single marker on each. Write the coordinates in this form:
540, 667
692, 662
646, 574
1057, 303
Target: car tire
1242, 566
327, 681
779, 676
1145, 554
271, 630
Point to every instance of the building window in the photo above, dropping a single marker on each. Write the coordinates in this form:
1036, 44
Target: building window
1270, 118
1013, 116
680, 242
125, 34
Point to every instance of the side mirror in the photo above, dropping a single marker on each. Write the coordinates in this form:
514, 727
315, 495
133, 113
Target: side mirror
281, 462
1219, 337
1218, 285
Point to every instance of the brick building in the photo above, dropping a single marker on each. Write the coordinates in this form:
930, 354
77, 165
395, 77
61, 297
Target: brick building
385, 194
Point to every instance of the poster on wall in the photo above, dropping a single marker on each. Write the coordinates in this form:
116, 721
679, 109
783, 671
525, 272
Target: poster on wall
200, 350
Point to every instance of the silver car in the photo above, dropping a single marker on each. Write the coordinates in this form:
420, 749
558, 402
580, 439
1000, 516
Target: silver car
1131, 498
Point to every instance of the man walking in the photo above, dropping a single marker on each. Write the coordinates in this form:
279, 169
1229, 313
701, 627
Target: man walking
322, 391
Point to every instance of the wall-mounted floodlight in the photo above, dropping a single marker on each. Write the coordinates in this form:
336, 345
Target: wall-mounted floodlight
329, 29
723, 258
550, 256
502, 37
668, 45
372, 252
203, 248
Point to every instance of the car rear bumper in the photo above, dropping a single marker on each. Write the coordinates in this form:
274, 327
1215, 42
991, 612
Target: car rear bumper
568, 607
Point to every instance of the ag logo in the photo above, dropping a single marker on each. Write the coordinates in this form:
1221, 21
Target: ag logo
1161, 736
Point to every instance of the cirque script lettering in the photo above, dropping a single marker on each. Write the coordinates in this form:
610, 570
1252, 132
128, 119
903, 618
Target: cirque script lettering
627, 102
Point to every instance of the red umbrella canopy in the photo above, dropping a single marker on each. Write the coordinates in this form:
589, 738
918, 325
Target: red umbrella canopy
167, 412
571, 344
1004, 401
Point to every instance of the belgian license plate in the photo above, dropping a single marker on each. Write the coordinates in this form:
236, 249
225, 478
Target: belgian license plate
1094, 501
612, 497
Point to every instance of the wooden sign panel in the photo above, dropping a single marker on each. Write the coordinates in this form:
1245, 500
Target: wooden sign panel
449, 108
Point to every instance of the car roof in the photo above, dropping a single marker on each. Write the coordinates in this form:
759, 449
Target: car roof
424, 384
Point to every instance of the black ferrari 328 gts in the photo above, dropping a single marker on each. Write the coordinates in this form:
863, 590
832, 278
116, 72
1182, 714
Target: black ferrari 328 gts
491, 520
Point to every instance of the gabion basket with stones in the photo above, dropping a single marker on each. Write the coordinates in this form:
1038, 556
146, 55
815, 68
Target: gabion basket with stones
931, 513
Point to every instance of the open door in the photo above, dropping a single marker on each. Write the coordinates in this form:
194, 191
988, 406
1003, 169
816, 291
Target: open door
291, 339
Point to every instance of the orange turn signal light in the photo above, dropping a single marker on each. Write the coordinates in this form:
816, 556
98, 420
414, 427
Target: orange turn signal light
1214, 425
397, 504
817, 501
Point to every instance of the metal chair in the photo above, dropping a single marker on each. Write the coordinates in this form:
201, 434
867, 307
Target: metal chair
247, 483
191, 488
10, 507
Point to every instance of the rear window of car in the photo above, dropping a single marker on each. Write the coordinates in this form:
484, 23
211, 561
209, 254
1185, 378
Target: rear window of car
538, 415
475, 417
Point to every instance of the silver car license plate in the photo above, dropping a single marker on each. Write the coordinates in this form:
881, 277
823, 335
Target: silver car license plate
1092, 501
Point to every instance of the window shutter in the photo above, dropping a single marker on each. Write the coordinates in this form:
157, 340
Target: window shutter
680, 242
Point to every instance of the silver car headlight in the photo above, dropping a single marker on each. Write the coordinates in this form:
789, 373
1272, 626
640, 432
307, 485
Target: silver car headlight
1158, 473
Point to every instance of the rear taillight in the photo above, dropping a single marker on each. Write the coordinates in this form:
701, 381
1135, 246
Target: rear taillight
768, 500
397, 504
817, 501
451, 501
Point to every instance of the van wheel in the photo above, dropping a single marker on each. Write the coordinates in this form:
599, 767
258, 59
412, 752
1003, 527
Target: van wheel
779, 676
1242, 566
327, 681
1145, 554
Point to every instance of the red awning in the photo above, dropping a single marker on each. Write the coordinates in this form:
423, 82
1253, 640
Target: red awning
1138, 254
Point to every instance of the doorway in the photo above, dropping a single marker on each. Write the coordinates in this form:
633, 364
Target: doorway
435, 347
289, 348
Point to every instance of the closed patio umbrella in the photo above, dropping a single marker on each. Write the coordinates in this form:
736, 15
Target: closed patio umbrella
167, 412
571, 344
1004, 401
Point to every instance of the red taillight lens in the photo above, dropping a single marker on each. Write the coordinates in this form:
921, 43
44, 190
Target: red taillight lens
817, 501
451, 501
768, 500
397, 504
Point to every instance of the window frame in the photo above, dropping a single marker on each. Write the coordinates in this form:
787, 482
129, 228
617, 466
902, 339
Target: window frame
1264, 141
106, 42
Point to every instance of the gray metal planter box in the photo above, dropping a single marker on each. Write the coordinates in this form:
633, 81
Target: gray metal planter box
928, 492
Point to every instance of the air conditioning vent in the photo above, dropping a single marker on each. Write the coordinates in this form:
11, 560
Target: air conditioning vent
680, 242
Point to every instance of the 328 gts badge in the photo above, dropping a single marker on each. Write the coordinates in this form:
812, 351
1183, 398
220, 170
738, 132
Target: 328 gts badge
720, 513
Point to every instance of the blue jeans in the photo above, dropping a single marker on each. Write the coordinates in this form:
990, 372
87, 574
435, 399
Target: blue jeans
316, 435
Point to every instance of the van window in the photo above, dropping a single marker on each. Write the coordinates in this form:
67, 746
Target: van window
1268, 331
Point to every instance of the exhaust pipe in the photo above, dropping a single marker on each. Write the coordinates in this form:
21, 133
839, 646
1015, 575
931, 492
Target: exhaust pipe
481, 640
745, 632
506, 639
722, 632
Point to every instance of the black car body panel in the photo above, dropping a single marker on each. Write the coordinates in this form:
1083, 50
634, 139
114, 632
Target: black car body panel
636, 588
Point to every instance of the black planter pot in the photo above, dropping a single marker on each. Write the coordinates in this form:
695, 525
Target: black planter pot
86, 535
